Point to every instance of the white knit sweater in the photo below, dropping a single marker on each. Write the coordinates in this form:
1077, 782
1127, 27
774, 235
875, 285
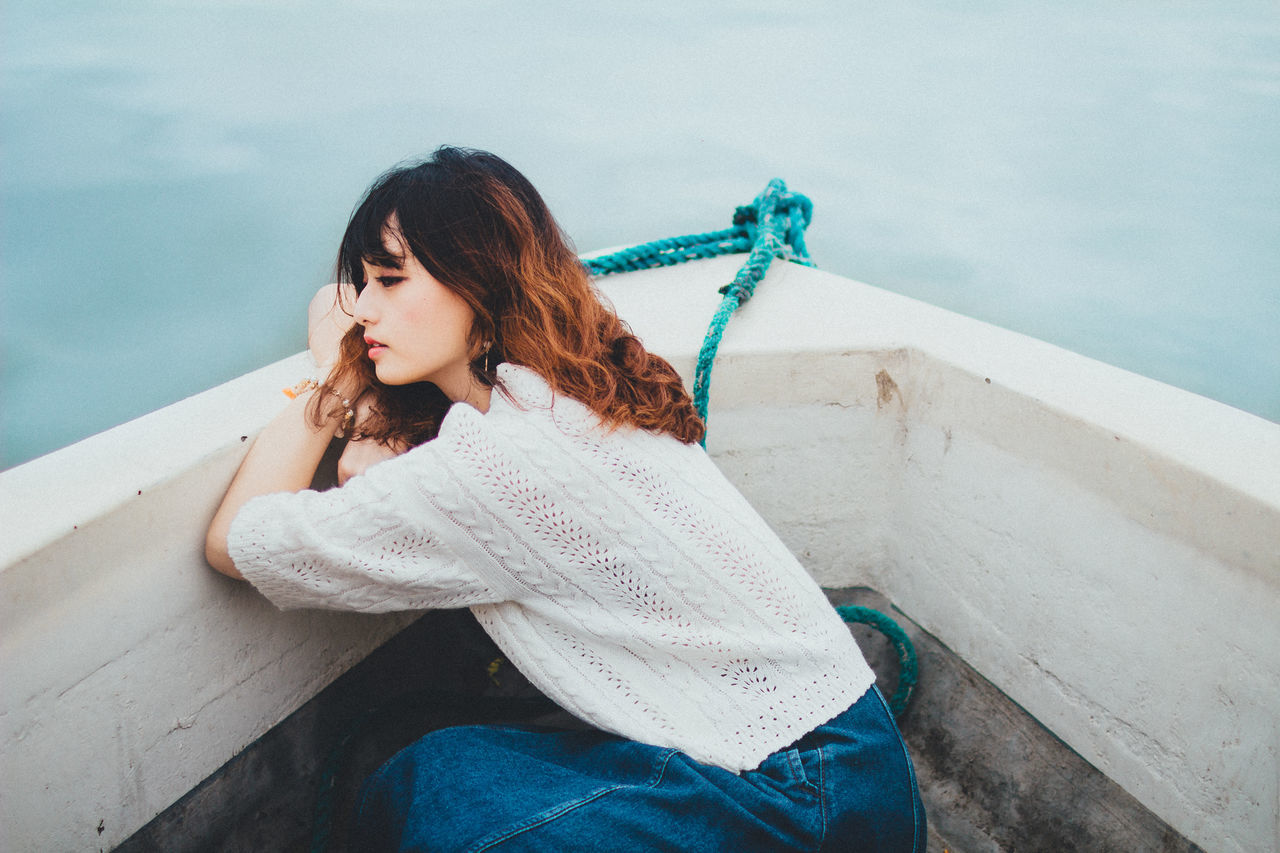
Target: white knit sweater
618, 570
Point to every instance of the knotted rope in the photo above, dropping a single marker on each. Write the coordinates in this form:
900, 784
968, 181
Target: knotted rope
770, 227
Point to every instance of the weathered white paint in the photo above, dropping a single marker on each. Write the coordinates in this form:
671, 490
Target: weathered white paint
1103, 547
130, 670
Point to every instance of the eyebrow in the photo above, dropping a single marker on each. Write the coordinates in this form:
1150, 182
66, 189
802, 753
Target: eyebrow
384, 260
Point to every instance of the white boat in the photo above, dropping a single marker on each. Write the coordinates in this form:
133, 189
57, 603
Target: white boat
1101, 548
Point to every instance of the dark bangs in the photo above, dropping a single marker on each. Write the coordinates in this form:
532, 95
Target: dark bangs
363, 240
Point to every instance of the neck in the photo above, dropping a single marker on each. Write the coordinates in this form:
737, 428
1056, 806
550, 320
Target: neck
466, 389
477, 395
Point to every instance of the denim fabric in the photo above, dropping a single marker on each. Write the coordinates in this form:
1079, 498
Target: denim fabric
846, 786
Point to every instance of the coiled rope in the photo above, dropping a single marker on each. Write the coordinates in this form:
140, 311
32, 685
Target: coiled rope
908, 665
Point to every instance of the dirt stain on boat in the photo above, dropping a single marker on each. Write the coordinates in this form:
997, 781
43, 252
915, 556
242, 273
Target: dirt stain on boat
885, 389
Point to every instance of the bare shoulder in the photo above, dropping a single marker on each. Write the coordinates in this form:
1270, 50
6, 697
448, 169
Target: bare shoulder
325, 301
329, 316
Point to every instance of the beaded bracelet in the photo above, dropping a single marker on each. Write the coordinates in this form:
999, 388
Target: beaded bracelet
310, 385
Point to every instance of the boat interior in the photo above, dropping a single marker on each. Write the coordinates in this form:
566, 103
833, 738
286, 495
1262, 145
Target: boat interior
1086, 561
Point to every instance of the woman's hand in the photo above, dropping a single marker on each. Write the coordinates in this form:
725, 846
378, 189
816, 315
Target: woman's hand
328, 321
360, 453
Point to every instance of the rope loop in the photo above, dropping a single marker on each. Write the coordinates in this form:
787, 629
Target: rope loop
909, 664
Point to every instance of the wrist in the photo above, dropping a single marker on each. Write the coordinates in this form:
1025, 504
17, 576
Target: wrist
341, 411
336, 406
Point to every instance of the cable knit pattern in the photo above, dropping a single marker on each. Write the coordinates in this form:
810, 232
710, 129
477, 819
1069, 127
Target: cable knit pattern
619, 570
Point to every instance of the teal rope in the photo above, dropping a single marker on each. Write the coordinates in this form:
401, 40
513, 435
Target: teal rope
909, 664
672, 250
771, 226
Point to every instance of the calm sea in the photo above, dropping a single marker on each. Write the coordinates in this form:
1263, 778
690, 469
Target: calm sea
175, 175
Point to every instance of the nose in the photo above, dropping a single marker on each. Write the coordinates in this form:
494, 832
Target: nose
363, 311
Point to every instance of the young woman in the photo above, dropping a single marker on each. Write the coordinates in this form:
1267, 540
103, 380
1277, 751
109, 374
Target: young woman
535, 464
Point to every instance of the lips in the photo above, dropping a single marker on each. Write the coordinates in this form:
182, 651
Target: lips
376, 347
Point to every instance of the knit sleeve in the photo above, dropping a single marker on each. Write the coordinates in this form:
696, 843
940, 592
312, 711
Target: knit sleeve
374, 545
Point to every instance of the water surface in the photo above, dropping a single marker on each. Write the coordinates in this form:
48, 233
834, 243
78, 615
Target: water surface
175, 176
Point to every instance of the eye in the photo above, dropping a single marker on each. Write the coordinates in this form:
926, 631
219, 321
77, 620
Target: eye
389, 280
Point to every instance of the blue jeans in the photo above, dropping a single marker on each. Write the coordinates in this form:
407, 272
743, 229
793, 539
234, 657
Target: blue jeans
846, 786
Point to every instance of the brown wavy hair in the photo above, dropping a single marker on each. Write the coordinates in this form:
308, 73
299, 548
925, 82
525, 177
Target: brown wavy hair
481, 229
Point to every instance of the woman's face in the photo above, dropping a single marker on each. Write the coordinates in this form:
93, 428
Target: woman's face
415, 327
